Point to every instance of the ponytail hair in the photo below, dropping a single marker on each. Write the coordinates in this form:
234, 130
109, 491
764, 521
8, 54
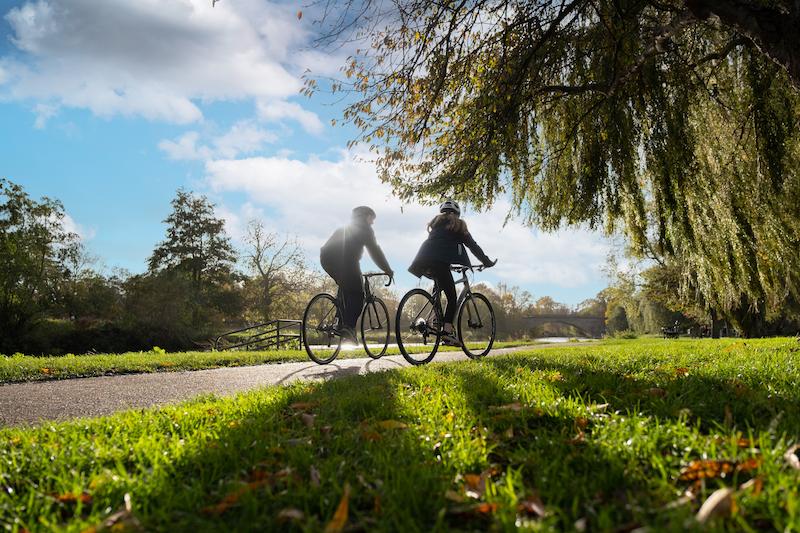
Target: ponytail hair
450, 222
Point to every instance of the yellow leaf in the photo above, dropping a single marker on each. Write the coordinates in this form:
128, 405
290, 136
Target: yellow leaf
392, 424
339, 519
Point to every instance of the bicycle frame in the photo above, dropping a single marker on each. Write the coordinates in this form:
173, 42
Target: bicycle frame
466, 291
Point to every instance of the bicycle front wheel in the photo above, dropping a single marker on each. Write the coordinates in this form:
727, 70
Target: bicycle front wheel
321, 337
476, 325
418, 327
375, 328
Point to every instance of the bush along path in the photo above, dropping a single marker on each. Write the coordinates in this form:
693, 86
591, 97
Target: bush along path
665, 435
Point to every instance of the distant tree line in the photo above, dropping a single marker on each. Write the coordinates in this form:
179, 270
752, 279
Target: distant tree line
197, 285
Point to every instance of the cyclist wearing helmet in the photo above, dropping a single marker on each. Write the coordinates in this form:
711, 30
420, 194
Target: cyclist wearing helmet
447, 237
341, 256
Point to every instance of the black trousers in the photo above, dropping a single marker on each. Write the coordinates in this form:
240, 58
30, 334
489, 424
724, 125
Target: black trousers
351, 290
440, 273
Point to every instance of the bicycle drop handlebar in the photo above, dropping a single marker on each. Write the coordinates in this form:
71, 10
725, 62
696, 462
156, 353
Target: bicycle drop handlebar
463, 268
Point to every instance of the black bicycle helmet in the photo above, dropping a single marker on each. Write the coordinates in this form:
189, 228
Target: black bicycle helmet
450, 206
363, 211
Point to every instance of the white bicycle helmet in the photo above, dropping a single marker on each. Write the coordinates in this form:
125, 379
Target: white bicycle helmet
450, 206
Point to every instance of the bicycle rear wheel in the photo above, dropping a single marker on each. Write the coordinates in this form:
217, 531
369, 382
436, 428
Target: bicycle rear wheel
476, 325
321, 337
375, 328
418, 327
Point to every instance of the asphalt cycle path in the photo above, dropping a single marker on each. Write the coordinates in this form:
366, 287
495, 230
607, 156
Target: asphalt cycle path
37, 402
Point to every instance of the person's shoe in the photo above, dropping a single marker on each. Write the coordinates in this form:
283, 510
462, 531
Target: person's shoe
450, 339
349, 335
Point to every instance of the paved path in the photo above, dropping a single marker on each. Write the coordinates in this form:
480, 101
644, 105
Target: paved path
29, 403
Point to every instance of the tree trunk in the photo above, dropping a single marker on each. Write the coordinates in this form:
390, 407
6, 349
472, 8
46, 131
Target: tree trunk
775, 32
715, 323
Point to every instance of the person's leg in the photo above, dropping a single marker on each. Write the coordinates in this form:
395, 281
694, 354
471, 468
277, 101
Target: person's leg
352, 292
444, 279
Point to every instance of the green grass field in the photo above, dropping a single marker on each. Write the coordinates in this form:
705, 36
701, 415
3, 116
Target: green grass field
20, 368
605, 437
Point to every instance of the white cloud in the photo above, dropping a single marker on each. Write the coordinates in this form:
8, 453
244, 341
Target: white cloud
313, 197
279, 110
244, 137
70, 225
44, 112
159, 60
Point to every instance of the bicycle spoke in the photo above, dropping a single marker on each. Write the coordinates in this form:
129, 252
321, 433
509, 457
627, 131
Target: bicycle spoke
476, 325
418, 327
375, 328
321, 329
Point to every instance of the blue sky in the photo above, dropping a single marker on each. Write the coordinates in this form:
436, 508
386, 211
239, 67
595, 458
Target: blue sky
111, 106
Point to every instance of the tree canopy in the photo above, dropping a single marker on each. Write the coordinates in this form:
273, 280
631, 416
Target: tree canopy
676, 122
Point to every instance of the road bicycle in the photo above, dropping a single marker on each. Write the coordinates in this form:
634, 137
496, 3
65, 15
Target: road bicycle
418, 324
322, 330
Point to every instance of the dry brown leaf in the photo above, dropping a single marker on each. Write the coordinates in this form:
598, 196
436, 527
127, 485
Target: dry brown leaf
376, 505
69, 497
757, 484
339, 519
291, 514
582, 422
656, 392
308, 419
681, 371
392, 424
555, 376
580, 438
791, 457
232, 499
532, 505
744, 443
44, 370
712, 468
720, 503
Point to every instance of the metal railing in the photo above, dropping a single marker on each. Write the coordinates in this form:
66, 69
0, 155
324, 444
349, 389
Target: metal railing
274, 334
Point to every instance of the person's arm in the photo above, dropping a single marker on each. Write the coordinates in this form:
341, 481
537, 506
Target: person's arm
476, 250
376, 253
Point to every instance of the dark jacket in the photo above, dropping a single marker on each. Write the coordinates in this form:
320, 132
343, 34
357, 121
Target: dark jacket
346, 246
445, 246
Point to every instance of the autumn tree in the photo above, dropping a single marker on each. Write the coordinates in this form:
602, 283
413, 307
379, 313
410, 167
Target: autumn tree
676, 122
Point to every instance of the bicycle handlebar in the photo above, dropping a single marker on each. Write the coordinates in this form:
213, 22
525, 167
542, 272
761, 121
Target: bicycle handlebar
463, 268
368, 275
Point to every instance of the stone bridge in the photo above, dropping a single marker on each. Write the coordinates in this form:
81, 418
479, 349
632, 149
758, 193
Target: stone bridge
588, 326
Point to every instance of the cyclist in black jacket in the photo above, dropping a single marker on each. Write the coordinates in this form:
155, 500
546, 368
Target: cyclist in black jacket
341, 256
447, 236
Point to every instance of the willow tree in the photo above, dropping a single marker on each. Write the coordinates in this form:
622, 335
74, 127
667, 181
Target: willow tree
673, 121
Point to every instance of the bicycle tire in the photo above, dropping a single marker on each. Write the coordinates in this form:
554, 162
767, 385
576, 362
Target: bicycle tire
477, 297
382, 309
316, 354
405, 338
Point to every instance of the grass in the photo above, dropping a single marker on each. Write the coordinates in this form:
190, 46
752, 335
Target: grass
595, 438
20, 368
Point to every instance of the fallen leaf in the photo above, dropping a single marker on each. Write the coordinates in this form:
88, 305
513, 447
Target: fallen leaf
681, 371
656, 392
711, 468
302, 406
728, 420
291, 514
473, 510
718, 504
580, 438
313, 474
339, 519
69, 497
757, 484
532, 505
232, 499
555, 376
308, 419
792, 458
744, 443
392, 424
376, 505
44, 370
122, 520
582, 422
